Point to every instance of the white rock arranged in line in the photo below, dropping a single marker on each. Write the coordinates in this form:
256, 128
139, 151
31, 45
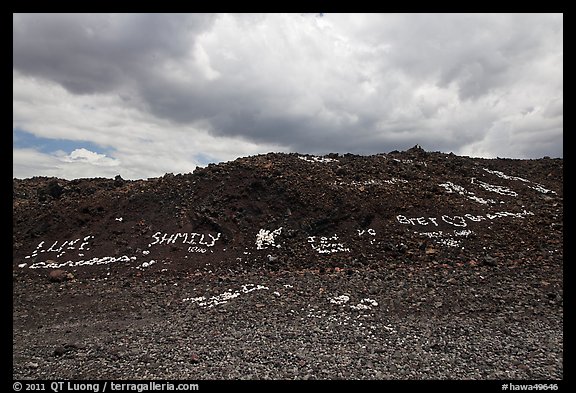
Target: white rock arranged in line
409, 161
503, 176
317, 159
540, 188
370, 182
89, 262
365, 304
497, 189
223, 298
536, 186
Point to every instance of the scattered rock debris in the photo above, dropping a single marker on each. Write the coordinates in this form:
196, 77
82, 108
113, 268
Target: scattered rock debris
406, 265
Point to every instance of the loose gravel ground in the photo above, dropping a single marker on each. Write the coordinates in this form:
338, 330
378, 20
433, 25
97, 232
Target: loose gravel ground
474, 323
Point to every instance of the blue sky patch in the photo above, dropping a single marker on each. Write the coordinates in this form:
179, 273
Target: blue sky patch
204, 159
25, 140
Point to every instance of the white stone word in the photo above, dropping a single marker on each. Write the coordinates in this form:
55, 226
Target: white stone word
201, 250
451, 187
464, 232
265, 238
450, 242
89, 262
497, 189
459, 221
223, 298
119, 219
192, 238
61, 250
317, 159
446, 238
417, 220
327, 245
371, 232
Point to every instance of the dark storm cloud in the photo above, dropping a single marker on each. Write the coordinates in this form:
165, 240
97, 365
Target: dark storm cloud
348, 82
90, 53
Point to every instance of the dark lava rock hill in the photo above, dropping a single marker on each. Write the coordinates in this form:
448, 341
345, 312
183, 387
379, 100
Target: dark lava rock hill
291, 211
407, 265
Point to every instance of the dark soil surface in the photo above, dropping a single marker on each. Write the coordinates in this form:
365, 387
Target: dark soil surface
407, 265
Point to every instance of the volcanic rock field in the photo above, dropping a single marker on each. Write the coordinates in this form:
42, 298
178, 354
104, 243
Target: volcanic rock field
401, 265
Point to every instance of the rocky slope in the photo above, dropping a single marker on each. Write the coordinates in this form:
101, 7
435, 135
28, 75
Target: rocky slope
395, 266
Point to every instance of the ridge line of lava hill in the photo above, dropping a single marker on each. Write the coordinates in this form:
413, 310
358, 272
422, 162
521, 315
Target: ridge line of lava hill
282, 211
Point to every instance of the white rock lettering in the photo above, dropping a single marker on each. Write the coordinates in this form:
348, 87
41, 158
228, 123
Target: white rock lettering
459, 221
370, 232
327, 245
61, 248
447, 239
195, 240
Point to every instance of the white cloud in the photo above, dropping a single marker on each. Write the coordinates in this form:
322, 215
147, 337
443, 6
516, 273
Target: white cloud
140, 145
89, 157
30, 162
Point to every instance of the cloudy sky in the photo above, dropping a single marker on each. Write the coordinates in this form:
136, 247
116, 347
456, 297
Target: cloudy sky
96, 95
